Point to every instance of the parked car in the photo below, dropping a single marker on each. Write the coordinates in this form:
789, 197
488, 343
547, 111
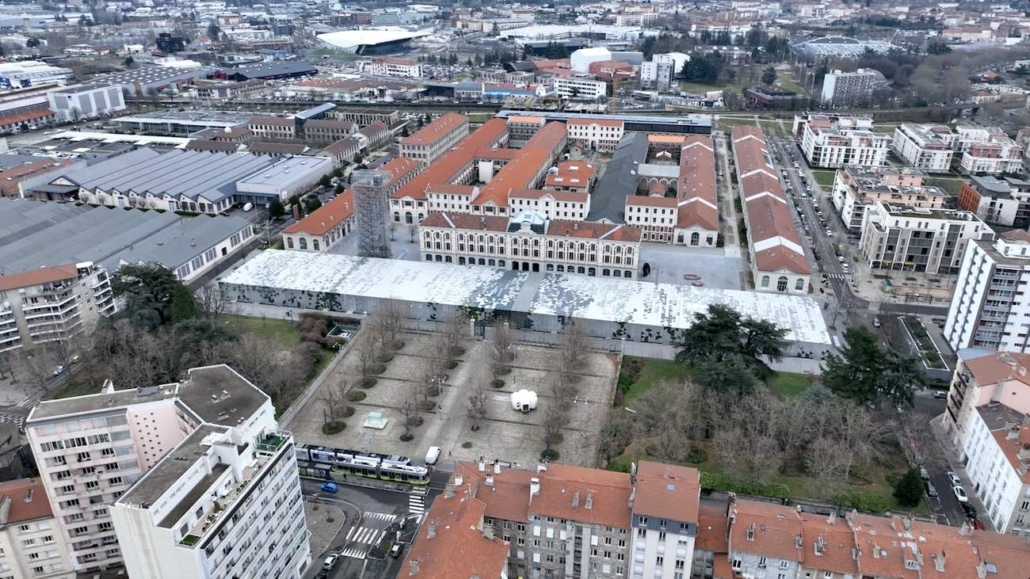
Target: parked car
923, 473
955, 481
960, 494
395, 551
876, 323
931, 490
840, 258
330, 561
329, 487
969, 510
941, 394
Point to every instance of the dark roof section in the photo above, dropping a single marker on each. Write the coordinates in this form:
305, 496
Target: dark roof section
271, 70
620, 179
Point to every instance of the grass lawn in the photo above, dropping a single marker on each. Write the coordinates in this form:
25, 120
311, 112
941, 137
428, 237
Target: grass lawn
824, 177
654, 371
789, 384
79, 387
787, 82
729, 123
772, 129
281, 331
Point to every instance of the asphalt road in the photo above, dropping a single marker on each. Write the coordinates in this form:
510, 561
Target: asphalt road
373, 516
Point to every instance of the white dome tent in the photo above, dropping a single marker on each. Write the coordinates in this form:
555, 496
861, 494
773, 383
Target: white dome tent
523, 400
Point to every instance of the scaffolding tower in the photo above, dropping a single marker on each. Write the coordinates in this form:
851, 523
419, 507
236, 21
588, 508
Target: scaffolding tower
371, 211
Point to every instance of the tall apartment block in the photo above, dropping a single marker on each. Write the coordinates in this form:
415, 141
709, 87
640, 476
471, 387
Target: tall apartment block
837, 141
190, 479
52, 304
848, 89
989, 309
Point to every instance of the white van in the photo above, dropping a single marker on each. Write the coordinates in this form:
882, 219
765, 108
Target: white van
432, 455
248, 207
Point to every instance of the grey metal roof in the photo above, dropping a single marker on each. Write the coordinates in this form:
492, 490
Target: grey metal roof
36, 234
270, 69
620, 179
11, 160
316, 111
188, 173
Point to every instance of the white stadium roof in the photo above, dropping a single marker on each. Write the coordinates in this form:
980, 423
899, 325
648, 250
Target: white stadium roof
352, 39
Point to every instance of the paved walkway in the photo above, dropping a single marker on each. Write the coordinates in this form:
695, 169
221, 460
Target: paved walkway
323, 531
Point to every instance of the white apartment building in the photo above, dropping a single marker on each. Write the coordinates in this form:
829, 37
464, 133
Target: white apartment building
847, 89
400, 67
856, 189
52, 304
580, 87
661, 70
81, 102
530, 241
595, 134
906, 238
189, 479
433, 140
31, 546
988, 310
1001, 201
929, 148
834, 142
988, 150
988, 403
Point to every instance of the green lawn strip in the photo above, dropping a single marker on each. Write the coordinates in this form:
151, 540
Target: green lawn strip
824, 177
789, 384
282, 332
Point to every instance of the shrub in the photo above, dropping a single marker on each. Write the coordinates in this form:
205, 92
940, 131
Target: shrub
457, 352
908, 490
427, 405
466, 444
502, 370
333, 427
415, 421
696, 454
385, 358
549, 454
356, 396
348, 412
498, 383
866, 501
452, 364
406, 437
377, 369
368, 383
433, 390
712, 481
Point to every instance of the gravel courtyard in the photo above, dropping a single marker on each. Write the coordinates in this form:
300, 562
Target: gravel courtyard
504, 433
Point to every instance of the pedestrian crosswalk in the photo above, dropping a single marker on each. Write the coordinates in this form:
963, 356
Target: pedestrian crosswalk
836, 275
15, 418
365, 535
380, 517
416, 504
355, 553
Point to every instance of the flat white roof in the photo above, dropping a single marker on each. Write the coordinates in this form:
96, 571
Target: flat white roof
594, 298
76, 136
355, 38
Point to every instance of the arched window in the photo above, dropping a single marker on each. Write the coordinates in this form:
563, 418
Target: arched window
800, 285
695, 238
461, 261
561, 269
781, 284
397, 216
289, 243
618, 273
765, 281
490, 262
303, 243
408, 218
550, 267
314, 244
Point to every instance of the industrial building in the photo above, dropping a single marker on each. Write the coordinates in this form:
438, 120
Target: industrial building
194, 181
151, 80
181, 123
608, 307
190, 247
697, 124
75, 103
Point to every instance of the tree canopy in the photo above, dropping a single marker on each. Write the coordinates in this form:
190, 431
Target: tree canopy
866, 372
152, 295
727, 348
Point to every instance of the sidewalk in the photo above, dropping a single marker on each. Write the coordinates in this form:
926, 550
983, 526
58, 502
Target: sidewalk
323, 532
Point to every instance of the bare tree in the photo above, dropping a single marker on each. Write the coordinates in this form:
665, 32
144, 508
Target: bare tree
37, 366
388, 323
409, 413
476, 408
829, 461
368, 360
64, 348
412, 232
554, 419
454, 331
573, 345
502, 353
213, 301
334, 396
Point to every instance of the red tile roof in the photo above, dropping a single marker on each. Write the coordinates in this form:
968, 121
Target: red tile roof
451, 543
323, 219
28, 500
447, 167
696, 194
519, 172
773, 530
776, 245
712, 528
36, 277
25, 117
571, 174
435, 130
667, 491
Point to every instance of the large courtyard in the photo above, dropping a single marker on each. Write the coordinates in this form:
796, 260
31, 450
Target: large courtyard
504, 434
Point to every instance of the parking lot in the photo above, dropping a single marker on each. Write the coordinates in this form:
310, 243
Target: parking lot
505, 434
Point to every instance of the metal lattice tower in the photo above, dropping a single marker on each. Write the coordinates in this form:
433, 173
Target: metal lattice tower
371, 212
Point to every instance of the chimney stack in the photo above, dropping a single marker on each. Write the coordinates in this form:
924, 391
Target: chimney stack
534, 487
432, 530
413, 568
497, 468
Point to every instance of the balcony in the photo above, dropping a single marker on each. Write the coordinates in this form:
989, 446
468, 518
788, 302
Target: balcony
271, 442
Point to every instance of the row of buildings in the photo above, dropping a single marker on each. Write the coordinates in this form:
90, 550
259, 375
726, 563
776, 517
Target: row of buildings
562, 521
839, 141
